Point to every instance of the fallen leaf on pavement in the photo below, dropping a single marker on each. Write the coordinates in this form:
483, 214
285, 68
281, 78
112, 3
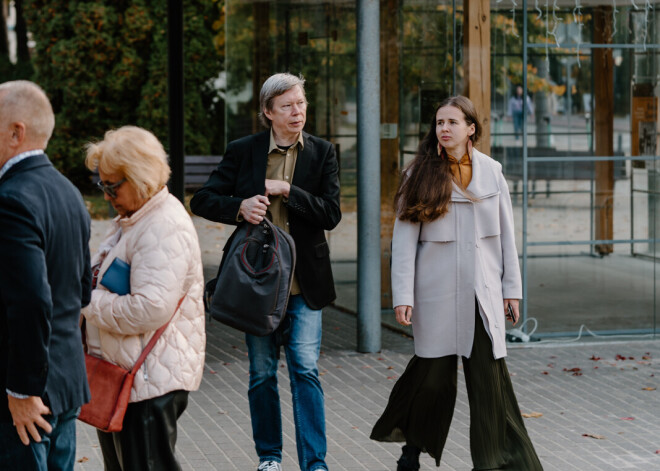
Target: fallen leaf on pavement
576, 371
594, 358
593, 435
648, 389
532, 415
84, 459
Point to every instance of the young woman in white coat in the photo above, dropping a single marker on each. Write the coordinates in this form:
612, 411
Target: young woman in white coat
455, 274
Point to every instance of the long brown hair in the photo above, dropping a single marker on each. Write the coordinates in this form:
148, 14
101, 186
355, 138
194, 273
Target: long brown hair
425, 189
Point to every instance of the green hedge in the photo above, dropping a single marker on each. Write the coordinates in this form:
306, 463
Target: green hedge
104, 65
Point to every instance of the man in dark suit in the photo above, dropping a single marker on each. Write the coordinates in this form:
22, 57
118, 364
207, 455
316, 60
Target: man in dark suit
45, 279
290, 177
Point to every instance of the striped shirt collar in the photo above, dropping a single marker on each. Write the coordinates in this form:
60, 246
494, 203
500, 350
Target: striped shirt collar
18, 158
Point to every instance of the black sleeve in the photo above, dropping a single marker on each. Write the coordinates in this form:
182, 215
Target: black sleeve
26, 295
215, 201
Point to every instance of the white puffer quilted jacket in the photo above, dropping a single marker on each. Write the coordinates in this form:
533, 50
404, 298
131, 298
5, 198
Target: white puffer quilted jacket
160, 243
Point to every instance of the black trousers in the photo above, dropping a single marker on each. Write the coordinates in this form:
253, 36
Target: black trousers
148, 437
421, 407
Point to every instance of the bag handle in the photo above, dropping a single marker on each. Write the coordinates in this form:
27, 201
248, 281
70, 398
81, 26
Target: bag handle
154, 339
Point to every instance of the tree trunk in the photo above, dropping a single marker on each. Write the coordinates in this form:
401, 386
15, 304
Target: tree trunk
4, 41
22, 50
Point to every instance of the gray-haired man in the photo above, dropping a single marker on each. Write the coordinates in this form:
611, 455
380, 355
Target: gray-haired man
290, 177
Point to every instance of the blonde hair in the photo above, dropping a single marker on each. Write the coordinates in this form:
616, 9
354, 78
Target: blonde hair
134, 153
25, 102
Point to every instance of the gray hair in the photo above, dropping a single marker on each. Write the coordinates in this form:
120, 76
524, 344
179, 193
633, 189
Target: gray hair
26, 102
273, 87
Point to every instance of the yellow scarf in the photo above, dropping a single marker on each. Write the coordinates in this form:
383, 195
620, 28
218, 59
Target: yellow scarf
462, 170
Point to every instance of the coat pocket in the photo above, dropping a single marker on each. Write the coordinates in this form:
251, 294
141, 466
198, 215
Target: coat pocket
441, 230
321, 250
488, 217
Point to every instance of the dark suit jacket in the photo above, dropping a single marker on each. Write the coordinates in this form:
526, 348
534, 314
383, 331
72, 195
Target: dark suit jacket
45, 279
313, 203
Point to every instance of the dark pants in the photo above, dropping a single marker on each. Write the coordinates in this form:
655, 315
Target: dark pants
422, 403
498, 437
148, 437
55, 452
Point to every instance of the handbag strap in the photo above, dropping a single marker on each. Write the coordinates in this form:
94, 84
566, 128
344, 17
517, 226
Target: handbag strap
154, 339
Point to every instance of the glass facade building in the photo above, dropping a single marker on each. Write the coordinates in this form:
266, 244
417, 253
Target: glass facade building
582, 161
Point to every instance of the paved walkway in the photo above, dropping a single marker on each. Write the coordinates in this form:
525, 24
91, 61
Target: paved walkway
598, 401
605, 399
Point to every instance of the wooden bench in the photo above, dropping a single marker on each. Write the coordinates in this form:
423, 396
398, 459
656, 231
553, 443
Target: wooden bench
197, 169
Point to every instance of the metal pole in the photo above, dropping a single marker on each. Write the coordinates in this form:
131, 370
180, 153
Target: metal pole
368, 112
175, 94
525, 198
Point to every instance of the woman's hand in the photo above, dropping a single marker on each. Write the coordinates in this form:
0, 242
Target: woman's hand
514, 306
403, 314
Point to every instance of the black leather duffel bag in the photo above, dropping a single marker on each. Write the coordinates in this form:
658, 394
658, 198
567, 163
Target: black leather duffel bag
252, 288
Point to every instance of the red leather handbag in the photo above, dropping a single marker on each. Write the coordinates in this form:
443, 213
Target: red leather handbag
110, 386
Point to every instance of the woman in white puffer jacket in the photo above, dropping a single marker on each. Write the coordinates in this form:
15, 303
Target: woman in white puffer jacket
154, 234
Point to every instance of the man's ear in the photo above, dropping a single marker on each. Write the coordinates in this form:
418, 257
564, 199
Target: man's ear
17, 133
268, 114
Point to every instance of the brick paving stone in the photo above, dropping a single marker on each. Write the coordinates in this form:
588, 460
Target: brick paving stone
607, 399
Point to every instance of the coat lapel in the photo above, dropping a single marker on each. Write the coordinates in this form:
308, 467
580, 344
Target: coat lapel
484, 181
303, 161
260, 161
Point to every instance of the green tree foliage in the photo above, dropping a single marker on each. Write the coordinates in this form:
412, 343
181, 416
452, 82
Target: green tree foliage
104, 65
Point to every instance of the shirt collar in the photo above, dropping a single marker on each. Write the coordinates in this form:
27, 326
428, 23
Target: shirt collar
18, 158
273, 145
464, 160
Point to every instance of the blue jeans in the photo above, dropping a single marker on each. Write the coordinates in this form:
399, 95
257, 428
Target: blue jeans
300, 334
55, 452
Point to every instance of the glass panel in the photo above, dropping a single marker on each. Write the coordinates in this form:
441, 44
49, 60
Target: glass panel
607, 294
573, 200
310, 38
427, 65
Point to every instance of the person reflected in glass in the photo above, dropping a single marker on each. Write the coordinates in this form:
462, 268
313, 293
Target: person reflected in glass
455, 274
517, 112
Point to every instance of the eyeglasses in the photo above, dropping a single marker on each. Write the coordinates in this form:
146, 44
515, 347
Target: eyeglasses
110, 189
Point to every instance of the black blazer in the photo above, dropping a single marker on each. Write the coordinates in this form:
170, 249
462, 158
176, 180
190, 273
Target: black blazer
313, 203
45, 279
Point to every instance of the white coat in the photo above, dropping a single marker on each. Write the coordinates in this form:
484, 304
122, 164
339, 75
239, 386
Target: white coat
160, 243
440, 267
